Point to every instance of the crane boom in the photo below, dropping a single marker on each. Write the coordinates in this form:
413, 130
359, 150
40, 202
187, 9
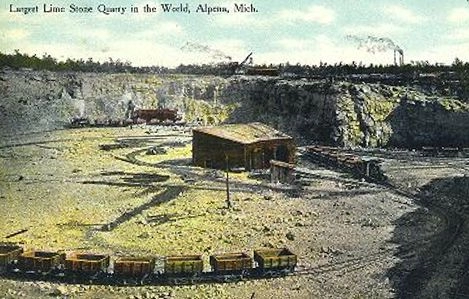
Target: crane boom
245, 59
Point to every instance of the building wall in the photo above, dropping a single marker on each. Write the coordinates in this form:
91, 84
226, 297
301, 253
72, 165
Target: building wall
259, 154
211, 151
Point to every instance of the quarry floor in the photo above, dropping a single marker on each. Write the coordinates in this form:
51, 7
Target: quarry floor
65, 192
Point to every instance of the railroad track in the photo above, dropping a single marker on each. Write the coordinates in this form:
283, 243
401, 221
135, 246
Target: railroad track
426, 259
413, 282
345, 266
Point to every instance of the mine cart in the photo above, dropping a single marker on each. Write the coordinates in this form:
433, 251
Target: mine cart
40, 261
134, 266
231, 262
8, 254
183, 265
160, 114
281, 258
87, 263
355, 165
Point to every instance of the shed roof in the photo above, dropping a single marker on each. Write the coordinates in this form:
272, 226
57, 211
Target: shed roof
245, 133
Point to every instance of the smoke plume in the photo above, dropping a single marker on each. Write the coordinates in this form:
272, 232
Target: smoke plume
213, 53
374, 44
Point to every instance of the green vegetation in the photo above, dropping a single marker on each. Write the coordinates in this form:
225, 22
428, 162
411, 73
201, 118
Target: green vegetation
18, 60
454, 105
380, 108
209, 114
457, 71
353, 135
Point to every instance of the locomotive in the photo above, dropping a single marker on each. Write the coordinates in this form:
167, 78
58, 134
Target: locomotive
123, 270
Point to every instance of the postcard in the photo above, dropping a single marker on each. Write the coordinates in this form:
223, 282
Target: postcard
234, 149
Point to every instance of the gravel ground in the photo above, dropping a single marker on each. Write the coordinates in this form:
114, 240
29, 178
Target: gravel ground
63, 189
437, 268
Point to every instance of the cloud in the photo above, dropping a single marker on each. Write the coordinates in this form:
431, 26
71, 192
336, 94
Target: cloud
245, 20
403, 14
320, 48
275, 35
100, 34
141, 52
16, 34
170, 28
459, 34
235, 48
325, 49
459, 15
375, 30
443, 53
16, 19
171, 54
294, 44
313, 14
157, 30
319, 42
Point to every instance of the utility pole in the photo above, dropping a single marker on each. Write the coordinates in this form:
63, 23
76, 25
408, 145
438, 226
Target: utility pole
228, 200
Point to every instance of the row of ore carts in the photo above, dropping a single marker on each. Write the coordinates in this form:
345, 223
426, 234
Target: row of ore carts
102, 269
336, 158
160, 116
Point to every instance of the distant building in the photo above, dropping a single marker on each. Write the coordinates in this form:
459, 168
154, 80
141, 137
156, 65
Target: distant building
249, 146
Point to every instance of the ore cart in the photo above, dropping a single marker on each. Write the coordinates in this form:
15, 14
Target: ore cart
133, 269
231, 266
8, 255
273, 262
183, 269
85, 265
40, 261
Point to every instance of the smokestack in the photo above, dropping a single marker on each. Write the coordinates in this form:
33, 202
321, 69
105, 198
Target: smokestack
400, 58
379, 44
400, 52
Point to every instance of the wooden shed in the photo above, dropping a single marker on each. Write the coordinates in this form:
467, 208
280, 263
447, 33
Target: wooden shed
281, 172
248, 146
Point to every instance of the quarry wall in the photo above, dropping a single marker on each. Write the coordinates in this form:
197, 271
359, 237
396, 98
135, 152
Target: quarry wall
339, 113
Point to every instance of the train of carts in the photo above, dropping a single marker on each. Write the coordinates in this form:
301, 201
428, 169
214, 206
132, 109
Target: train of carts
160, 116
367, 168
130, 270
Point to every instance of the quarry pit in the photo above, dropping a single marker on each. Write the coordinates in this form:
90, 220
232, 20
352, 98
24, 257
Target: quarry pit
357, 239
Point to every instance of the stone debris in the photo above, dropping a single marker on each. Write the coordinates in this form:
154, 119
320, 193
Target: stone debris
59, 291
156, 150
290, 236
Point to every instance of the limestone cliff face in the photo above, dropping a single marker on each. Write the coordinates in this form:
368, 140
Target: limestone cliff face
304, 109
41, 100
339, 113
347, 114
379, 115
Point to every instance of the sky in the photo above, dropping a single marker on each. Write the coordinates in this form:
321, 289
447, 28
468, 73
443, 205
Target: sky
301, 31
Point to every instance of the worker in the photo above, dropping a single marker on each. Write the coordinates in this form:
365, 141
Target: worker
130, 110
130, 113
